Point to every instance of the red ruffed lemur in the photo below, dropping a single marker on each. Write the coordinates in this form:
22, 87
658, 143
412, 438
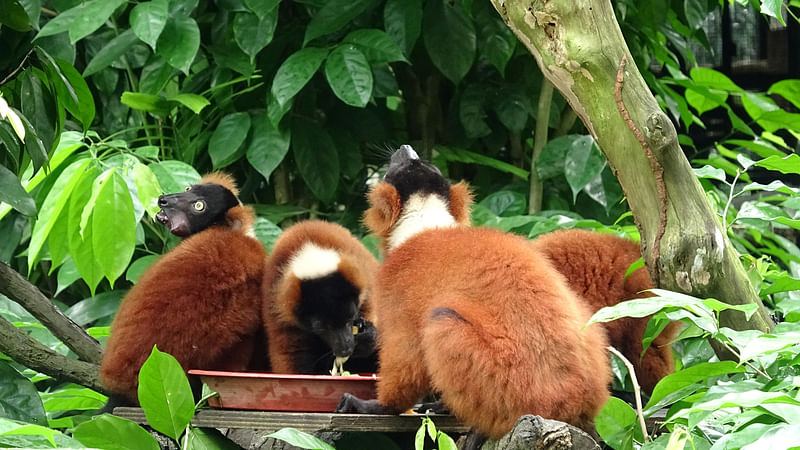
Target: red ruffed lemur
473, 313
595, 265
200, 302
316, 312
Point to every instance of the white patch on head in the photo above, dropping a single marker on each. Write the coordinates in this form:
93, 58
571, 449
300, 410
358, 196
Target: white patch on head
420, 213
313, 262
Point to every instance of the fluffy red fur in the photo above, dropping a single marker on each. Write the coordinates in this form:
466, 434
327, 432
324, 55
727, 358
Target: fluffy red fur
223, 179
200, 302
595, 265
481, 317
281, 289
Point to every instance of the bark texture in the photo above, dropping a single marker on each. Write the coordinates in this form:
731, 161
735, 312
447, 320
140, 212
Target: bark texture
580, 49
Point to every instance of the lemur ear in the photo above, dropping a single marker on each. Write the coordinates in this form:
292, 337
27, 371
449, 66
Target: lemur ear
384, 210
460, 202
223, 179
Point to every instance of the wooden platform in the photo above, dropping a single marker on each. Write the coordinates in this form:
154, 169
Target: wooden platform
272, 421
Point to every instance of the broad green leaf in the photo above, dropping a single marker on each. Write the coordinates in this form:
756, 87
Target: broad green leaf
472, 112
227, 138
300, 439
496, 41
13, 16
110, 52
114, 433
19, 399
316, 158
506, 203
267, 232
376, 45
402, 20
82, 20
179, 42
253, 33
513, 110
91, 309
788, 164
148, 20
155, 75
71, 397
113, 245
79, 229
53, 204
295, 72
711, 78
268, 146
67, 272
12, 192
615, 422
773, 8
334, 15
209, 439
584, 163
138, 267
687, 377
262, 7
756, 436
71, 88
445, 442
277, 213
38, 104
703, 99
708, 171
23, 435
33, 144
58, 241
174, 176
788, 89
192, 101
147, 187
146, 102
605, 189
165, 394
449, 36
466, 156
776, 120
349, 75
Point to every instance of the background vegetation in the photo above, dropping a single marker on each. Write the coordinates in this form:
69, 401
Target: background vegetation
107, 104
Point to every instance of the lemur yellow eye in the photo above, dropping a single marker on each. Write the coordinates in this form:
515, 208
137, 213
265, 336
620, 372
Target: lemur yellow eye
187, 188
198, 206
355, 329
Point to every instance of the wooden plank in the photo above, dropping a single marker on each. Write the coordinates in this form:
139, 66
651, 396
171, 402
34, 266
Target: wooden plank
272, 421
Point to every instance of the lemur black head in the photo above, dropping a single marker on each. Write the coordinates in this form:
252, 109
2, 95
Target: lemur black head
411, 175
197, 208
329, 309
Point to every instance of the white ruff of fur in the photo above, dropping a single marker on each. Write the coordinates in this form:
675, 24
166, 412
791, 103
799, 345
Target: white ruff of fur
419, 214
313, 262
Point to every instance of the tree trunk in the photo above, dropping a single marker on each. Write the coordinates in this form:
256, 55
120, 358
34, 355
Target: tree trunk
580, 49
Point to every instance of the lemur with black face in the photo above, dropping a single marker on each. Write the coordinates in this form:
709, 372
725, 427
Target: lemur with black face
316, 308
473, 313
200, 302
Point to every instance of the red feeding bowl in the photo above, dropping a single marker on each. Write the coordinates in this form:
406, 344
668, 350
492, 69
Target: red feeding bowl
283, 392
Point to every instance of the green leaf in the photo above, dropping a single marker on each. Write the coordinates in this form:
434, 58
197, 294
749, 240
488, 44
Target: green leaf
778, 119
227, 138
71, 88
605, 189
12, 192
472, 113
711, 78
13, 15
22, 435
174, 176
466, 156
91, 309
615, 423
710, 172
67, 273
71, 397
277, 213
445, 442
300, 439
496, 42
147, 187
82, 20
179, 42
506, 203
155, 75
192, 101
773, 8
788, 89
79, 228
253, 33
687, 377
114, 433
295, 72
334, 15
349, 75
113, 245
267, 232
38, 104
316, 158
110, 52
262, 7
19, 399
703, 99
146, 102
165, 394
377, 45
209, 439
584, 162
268, 146
449, 37
403, 21
138, 267
148, 20
788, 164
53, 204
513, 110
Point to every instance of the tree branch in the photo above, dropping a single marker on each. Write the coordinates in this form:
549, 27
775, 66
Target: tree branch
17, 288
27, 351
